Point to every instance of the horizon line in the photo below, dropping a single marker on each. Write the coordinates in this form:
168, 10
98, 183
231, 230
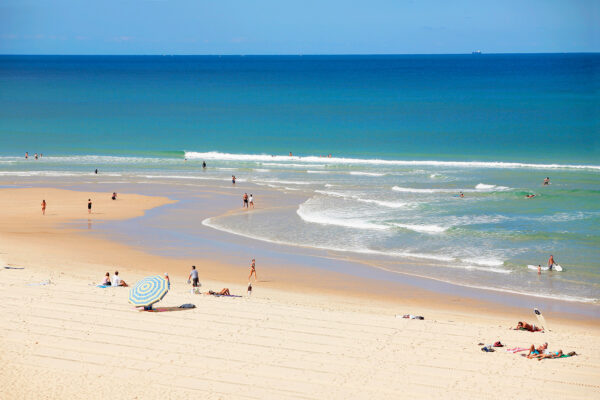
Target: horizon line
285, 54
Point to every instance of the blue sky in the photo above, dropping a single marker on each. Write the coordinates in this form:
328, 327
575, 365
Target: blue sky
297, 27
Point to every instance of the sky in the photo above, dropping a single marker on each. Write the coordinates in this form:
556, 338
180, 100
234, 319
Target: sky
298, 27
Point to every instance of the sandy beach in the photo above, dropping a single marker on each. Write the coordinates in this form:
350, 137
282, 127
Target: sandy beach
63, 337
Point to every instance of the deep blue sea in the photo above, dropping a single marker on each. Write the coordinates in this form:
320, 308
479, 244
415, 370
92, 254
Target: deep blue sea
406, 135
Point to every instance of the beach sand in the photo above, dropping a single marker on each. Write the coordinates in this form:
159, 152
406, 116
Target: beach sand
62, 337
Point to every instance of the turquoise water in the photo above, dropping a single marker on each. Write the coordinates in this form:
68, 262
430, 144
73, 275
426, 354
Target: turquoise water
406, 135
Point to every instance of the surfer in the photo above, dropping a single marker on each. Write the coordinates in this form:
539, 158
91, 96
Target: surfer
547, 180
551, 262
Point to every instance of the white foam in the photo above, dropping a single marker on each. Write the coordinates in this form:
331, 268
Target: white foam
489, 262
214, 155
262, 170
319, 217
486, 187
360, 173
417, 190
431, 229
390, 204
316, 172
284, 182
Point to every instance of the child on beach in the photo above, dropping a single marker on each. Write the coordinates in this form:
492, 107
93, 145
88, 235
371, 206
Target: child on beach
251, 200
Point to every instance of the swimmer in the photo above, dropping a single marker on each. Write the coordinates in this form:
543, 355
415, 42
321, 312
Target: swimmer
547, 180
35, 156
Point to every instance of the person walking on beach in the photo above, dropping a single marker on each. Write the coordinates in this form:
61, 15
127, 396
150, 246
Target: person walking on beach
194, 278
551, 262
43, 207
251, 200
253, 270
245, 199
89, 206
233, 179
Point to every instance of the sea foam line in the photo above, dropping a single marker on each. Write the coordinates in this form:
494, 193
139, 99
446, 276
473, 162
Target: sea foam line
214, 155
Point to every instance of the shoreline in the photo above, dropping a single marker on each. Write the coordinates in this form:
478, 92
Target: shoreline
305, 272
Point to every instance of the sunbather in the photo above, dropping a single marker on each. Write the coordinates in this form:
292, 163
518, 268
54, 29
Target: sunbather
551, 354
223, 292
524, 326
533, 351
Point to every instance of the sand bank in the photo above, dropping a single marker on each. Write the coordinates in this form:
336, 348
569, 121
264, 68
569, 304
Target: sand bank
62, 337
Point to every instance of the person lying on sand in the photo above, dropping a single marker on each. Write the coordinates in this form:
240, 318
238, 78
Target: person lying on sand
533, 351
551, 354
524, 326
223, 292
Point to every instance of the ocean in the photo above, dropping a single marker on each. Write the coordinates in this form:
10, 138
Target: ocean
381, 147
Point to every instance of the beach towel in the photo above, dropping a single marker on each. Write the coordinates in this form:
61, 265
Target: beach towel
103, 286
517, 349
223, 295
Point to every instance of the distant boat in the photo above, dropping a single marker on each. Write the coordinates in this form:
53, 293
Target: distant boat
476, 52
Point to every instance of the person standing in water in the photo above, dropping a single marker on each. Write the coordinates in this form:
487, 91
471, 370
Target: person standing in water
253, 270
251, 200
89, 206
204, 164
26, 155
245, 199
539, 269
96, 171
551, 262
547, 180
233, 179
43, 207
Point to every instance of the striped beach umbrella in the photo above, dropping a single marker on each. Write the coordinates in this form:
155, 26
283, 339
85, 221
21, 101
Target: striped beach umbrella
148, 291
